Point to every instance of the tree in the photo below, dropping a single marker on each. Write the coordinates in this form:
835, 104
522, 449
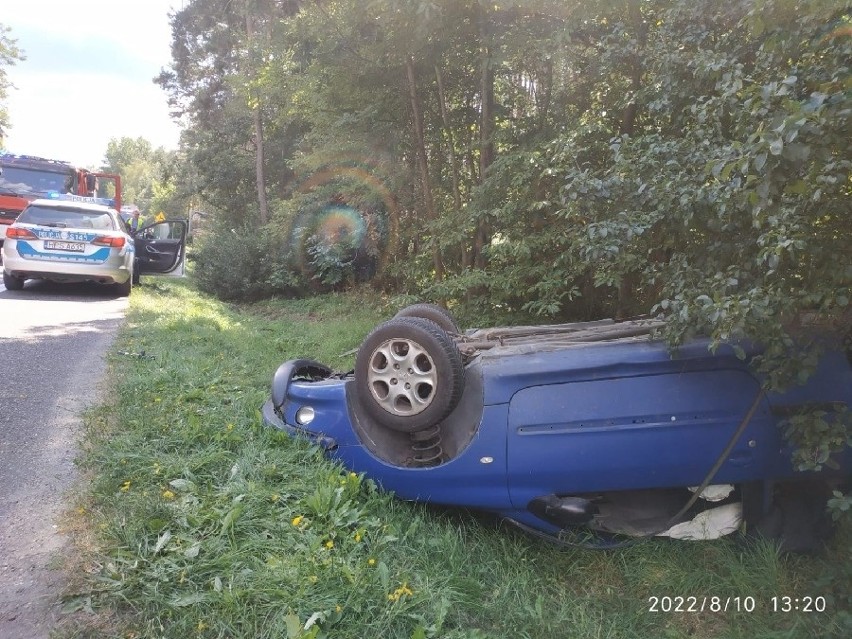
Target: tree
153, 179
200, 85
561, 160
122, 152
9, 55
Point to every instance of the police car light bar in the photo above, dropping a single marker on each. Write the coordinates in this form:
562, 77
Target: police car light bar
56, 195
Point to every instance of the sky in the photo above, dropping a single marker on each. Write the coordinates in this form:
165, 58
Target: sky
88, 76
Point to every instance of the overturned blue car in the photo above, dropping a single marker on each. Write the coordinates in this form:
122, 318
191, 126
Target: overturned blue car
591, 431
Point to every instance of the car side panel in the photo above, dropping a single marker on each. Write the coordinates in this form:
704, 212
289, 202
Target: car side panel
636, 432
509, 370
476, 478
831, 383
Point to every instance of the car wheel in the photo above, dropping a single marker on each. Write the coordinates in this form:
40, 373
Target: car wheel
125, 288
12, 283
408, 374
798, 520
438, 314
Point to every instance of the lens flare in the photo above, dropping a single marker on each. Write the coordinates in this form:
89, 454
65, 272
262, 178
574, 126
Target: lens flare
370, 230
339, 223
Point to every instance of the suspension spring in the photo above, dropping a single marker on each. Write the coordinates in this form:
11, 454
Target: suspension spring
426, 445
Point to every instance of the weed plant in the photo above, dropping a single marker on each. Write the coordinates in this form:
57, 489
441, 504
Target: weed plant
205, 523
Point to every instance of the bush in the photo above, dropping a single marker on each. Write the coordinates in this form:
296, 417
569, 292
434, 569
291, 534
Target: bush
245, 264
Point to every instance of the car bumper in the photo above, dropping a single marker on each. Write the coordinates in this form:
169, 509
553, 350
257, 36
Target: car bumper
346, 434
272, 418
327, 403
113, 269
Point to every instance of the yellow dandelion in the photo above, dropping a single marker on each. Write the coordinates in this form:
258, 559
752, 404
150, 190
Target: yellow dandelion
329, 544
313, 579
338, 609
201, 626
297, 520
353, 476
125, 486
230, 427
357, 537
399, 593
274, 497
157, 400
371, 562
167, 494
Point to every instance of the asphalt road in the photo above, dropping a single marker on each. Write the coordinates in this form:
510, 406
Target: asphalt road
52, 341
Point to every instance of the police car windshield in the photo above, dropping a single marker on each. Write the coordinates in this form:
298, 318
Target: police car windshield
21, 180
67, 217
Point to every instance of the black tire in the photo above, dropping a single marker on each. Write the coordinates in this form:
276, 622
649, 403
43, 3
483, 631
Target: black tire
798, 520
438, 314
13, 283
124, 289
408, 374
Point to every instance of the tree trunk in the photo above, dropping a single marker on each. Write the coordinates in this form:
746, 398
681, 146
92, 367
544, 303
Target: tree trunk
545, 93
423, 166
486, 130
629, 281
263, 203
454, 163
257, 115
628, 119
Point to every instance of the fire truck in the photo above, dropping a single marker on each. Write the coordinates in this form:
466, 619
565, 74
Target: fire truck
24, 178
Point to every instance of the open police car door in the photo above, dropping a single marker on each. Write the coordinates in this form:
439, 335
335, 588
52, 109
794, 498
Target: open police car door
161, 248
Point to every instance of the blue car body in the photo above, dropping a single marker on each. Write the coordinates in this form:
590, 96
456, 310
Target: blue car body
549, 423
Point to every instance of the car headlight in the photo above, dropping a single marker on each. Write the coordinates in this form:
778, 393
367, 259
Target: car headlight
305, 415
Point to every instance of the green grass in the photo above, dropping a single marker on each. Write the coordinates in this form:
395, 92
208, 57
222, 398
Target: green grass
197, 520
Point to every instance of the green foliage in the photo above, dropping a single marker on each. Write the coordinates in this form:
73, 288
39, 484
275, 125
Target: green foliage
332, 263
245, 264
216, 74
9, 55
643, 152
816, 434
150, 178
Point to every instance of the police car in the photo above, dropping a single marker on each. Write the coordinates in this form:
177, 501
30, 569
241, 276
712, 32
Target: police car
77, 239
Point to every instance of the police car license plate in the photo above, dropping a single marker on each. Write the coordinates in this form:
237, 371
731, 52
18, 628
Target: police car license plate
75, 247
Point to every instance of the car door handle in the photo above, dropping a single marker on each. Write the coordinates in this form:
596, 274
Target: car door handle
150, 249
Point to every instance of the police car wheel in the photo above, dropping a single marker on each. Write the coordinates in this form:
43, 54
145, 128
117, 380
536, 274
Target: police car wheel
12, 283
125, 288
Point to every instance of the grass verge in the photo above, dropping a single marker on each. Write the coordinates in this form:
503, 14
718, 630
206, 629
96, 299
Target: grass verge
196, 520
